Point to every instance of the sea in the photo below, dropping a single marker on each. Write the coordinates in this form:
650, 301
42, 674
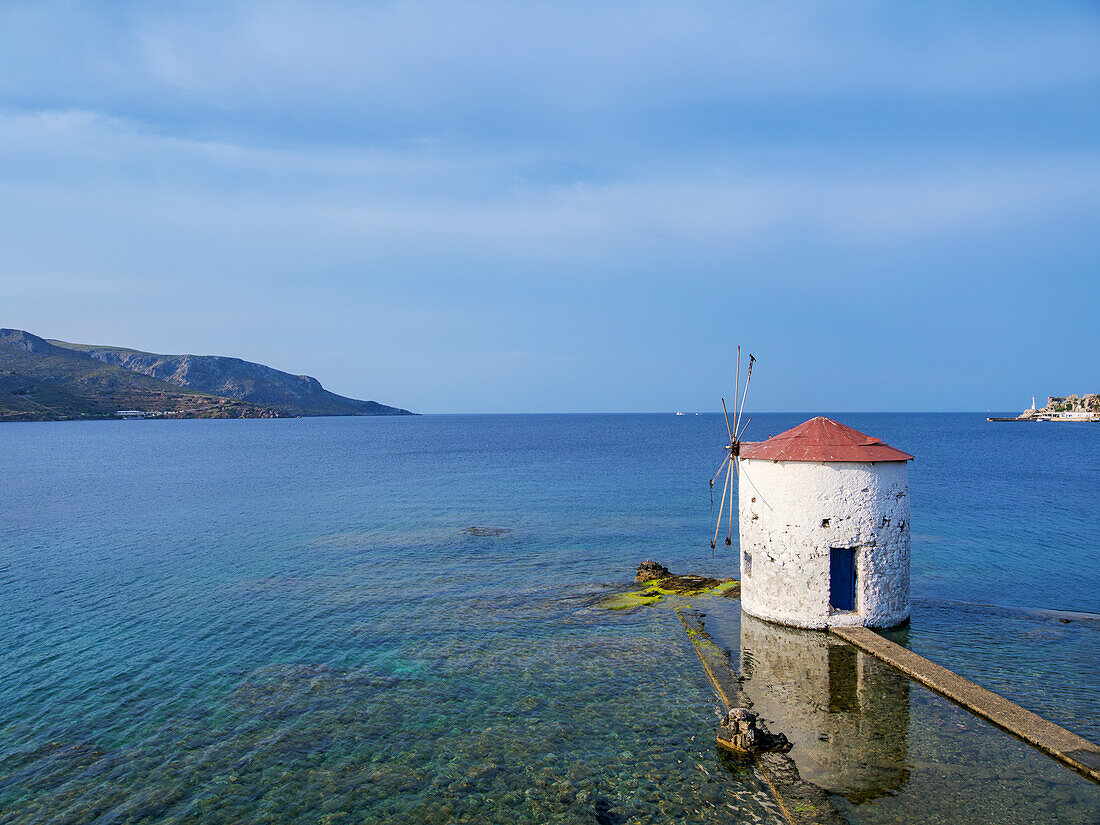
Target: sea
293, 621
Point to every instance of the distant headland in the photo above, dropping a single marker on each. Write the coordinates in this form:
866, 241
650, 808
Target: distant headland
1061, 408
49, 380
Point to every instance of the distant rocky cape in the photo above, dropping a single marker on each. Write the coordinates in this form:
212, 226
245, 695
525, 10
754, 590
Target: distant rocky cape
49, 380
1056, 404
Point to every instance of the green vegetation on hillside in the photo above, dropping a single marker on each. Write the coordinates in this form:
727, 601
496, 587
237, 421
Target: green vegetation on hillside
43, 380
236, 378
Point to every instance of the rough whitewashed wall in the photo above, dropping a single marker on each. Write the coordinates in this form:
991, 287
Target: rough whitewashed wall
791, 513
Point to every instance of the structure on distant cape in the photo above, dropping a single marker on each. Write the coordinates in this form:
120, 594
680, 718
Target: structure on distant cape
823, 515
1060, 408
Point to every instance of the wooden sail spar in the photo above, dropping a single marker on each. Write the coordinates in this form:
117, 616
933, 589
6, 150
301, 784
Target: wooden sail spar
731, 461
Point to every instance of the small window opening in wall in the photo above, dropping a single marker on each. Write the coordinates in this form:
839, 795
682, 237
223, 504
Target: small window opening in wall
747, 566
825, 522
842, 578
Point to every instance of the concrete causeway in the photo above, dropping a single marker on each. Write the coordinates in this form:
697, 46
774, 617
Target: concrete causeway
1055, 741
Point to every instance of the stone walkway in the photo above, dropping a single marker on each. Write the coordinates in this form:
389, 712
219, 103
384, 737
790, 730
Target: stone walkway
1065, 746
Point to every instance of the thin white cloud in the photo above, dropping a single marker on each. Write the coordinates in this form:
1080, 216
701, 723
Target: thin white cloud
495, 178
447, 65
471, 200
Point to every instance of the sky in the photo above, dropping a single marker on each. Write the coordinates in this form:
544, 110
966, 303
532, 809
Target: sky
566, 207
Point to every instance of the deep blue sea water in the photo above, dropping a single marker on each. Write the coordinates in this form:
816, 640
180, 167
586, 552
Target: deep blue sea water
283, 621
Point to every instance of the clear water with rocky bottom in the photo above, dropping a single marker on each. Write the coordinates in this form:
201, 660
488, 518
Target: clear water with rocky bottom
288, 621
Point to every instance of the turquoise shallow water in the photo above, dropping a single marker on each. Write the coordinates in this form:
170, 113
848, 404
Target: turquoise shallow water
283, 621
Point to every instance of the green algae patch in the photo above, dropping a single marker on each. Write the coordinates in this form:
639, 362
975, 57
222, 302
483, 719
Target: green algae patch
730, 589
625, 601
682, 586
694, 586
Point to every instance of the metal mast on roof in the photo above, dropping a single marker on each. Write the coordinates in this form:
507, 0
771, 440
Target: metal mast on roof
731, 463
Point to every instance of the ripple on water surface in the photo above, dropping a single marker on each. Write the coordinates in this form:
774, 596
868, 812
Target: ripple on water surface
890, 750
291, 621
597, 718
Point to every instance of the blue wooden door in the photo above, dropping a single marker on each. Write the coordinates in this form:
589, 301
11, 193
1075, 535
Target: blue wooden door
842, 578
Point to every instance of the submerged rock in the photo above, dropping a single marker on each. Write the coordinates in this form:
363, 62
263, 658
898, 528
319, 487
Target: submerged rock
731, 590
650, 570
626, 601
657, 582
654, 589
694, 586
487, 532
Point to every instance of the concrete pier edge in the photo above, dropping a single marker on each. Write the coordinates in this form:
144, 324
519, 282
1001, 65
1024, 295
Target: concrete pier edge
1067, 747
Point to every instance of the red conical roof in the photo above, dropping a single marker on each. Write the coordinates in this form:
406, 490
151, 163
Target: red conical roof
822, 439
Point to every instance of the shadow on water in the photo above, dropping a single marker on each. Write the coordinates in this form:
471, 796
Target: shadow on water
606, 814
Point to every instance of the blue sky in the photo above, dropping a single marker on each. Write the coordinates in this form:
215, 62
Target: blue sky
481, 207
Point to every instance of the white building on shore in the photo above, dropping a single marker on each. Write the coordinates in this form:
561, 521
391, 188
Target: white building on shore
824, 528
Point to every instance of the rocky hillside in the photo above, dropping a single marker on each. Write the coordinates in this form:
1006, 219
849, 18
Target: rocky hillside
43, 382
239, 379
1088, 403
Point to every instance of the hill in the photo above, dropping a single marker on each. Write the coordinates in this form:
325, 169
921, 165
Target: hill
43, 382
237, 378
1065, 408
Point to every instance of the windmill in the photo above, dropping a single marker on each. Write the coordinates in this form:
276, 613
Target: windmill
730, 463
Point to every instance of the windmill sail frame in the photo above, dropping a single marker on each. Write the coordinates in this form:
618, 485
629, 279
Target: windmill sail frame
731, 463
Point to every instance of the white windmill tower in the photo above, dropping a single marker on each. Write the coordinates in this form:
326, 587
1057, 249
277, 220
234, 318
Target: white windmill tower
823, 523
